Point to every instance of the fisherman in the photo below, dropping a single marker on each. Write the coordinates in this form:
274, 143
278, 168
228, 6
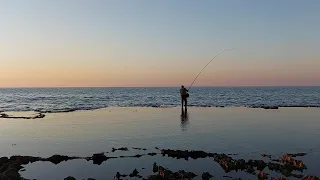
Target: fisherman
184, 95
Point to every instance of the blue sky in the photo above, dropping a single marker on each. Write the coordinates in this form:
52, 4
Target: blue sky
141, 34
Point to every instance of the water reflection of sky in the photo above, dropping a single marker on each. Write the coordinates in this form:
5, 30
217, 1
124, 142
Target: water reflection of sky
246, 132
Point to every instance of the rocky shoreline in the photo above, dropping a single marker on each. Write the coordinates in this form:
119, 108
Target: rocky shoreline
286, 165
36, 116
41, 114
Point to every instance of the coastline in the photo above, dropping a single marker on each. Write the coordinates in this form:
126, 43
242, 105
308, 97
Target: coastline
288, 165
42, 114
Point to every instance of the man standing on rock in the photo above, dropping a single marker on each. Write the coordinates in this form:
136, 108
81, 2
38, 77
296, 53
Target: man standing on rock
184, 95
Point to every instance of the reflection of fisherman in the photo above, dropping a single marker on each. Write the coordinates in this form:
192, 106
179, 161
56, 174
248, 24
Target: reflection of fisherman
184, 95
184, 119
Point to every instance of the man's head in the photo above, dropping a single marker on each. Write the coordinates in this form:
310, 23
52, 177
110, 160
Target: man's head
182, 86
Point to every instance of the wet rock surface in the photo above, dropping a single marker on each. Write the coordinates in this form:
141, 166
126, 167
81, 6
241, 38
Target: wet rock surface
37, 116
206, 176
70, 178
56, 159
144, 149
135, 173
286, 165
284, 106
120, 149
265, 107
98, 158
164, 173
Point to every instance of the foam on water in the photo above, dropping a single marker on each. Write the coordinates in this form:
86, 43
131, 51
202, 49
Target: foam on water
71, 99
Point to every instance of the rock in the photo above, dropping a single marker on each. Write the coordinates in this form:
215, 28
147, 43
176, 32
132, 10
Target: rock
184, 154
274, 166
259, 164
56, 159
270, 107
265, 155
69, 178
310, 178
299, 176
118, 176
99, 158
3, 160
240, 164
5, 167
144, 149
12, 173
287, 165
152, 154
167, 174
206, 176
134, 173
262, 175
15, 165
137, 156
184, 174
24, 159
297, 154
155, 168
3, 115
250, 170
40, 115
120, 149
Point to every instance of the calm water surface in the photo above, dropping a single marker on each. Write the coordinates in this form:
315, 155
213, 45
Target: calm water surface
244, 131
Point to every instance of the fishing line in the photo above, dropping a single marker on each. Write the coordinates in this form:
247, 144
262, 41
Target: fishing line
208, 64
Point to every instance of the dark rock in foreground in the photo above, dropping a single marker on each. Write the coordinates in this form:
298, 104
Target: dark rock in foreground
135, 173
99, 158
206, 176
70, 178
56, 159
164, 173
287, 165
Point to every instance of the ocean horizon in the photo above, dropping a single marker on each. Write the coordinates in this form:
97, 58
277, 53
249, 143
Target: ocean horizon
244, 86
88, 98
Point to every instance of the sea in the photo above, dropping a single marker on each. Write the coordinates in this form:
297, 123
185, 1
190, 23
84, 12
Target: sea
241, 132
50, 100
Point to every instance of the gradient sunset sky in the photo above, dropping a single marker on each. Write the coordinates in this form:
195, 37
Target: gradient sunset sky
77, 43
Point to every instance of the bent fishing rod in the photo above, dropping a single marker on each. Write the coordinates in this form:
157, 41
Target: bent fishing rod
208, 64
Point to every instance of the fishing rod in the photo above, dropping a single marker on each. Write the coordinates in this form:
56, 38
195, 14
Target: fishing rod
208, 64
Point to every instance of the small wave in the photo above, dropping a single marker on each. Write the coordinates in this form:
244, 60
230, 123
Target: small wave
56, 100
306, 106
283, 106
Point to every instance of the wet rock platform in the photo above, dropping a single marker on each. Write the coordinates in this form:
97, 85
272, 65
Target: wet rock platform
287, 165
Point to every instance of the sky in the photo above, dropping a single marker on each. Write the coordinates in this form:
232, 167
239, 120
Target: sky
133, 43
